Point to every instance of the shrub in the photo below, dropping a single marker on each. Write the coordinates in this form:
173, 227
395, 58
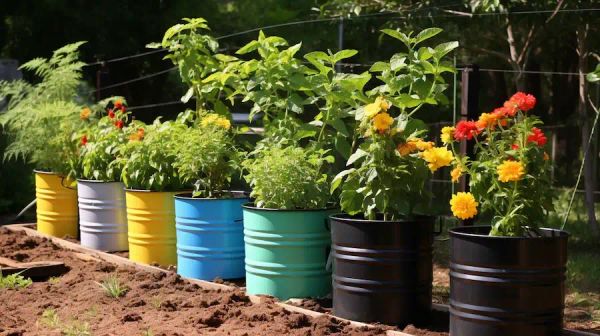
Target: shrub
288, 177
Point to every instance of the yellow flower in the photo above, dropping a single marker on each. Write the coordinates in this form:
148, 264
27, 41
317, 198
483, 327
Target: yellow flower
380, 105
216, 120
85, 113
447, 134
463, 205
437, 157
456, 173
382, 122
510, 171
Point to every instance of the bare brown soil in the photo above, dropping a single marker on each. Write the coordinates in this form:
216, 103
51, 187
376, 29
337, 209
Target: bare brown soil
155, 303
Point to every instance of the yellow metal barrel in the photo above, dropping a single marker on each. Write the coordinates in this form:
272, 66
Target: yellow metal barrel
56, 205
151, 227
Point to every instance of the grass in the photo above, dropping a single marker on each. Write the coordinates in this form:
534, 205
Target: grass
156, 302
54, 280
14, 281
75, 327
147, 332
50, 318
113, 287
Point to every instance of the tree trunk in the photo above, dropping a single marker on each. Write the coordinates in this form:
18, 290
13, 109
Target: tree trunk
588, 169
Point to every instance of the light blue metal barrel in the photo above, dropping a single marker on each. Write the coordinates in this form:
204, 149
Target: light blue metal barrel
286, 252
210, 238
102, 215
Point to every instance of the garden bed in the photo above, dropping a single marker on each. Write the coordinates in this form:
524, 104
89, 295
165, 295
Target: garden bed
159, 302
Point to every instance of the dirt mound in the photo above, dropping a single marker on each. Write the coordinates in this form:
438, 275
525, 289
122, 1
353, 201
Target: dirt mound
156, 302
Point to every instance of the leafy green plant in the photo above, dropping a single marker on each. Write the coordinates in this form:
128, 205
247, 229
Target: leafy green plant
14, 281
42, 118
288, 177
207, 73
206, 156
337, 94
275, 82
113, 287
389, 168
148, 164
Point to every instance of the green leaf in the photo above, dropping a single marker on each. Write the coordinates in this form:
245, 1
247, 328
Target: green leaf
399, 36
251, 46
342, 146
356, 156
337, 180
189, 94
379, 66
443, 49
427, 34
343, 54
594, 76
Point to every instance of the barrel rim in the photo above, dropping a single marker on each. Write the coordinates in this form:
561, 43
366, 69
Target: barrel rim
347, 218
457, 233
97, 181
252, 206
39, 171
237, 194
150, 191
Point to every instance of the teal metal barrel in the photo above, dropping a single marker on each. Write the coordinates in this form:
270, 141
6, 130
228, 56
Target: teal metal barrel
286, 252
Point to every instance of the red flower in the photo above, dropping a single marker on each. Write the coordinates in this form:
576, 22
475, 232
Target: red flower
123, 108
537, 136
514, 146
524, 102
119, 123
465, 130
111, 114
118, 104
84, 140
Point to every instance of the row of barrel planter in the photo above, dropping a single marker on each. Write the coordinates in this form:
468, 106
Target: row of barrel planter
382, 270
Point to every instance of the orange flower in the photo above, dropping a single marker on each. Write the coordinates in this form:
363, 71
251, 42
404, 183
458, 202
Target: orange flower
546, 156
85, 113
407, 148
487, 120
456, 173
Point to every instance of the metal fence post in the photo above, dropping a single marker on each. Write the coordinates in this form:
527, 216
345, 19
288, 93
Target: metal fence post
469, 110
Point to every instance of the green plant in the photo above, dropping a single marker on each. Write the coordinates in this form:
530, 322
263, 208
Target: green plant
275, 83
42, 118
100, 142
50, 318
207, 73
390, 166
14, 281
76, 328
148, 164
337, 94
54, 280
147, 332
206, 156
113, 287
288, 177
510, 174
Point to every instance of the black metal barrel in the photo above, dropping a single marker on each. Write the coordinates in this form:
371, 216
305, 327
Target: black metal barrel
382, 270
506, 285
